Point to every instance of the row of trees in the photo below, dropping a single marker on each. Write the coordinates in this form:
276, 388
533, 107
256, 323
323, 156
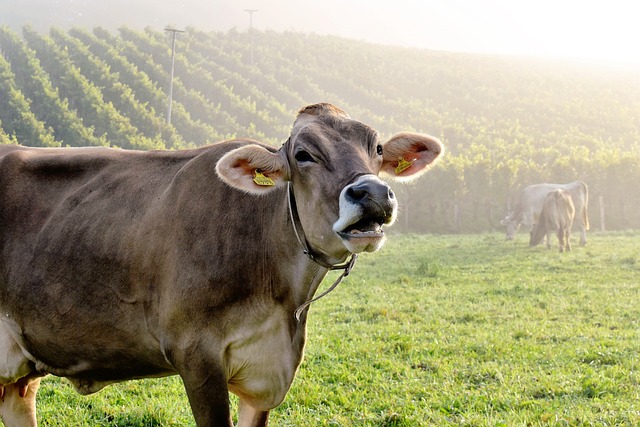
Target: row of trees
506, 122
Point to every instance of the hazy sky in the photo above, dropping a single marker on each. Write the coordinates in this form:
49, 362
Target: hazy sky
566, 28
576, 28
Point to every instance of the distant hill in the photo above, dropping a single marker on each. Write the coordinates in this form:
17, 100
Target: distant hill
506, 121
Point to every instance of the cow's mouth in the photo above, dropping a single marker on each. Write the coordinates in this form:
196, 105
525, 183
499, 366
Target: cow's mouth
366, 206
365, 235
364, 228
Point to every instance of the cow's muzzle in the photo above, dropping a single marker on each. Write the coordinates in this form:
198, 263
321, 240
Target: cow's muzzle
366, 205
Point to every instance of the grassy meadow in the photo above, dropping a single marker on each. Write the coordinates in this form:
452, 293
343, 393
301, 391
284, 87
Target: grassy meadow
466, 330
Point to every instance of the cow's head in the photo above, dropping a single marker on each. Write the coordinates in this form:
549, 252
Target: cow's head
332, 164
512, 225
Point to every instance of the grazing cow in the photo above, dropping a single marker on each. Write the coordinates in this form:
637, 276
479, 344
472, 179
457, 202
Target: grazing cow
557, 215
119, 264
530, 201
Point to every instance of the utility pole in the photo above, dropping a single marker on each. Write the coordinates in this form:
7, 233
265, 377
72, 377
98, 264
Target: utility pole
251, 11
173, 57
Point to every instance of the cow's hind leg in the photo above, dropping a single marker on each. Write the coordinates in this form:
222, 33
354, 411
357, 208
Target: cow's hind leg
251, 417
561, 239
583, 235
18, 403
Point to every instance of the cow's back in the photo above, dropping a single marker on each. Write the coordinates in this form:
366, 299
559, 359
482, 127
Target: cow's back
95, 196
532, 197
558, 210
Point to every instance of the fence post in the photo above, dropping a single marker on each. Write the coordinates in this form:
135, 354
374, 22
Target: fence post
601, 203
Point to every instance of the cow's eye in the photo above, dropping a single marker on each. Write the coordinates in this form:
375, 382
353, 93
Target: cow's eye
379, 150
303, 156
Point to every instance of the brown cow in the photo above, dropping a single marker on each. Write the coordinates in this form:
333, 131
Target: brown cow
118, 264
557, 215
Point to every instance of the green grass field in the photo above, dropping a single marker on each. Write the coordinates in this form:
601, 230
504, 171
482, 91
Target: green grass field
443, 331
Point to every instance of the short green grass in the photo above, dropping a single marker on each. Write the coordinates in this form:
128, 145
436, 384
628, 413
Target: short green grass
442, 331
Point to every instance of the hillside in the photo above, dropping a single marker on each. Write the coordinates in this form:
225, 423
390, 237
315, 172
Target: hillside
506, 122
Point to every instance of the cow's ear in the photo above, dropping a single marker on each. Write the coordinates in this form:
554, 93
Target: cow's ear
253, 169
408, 155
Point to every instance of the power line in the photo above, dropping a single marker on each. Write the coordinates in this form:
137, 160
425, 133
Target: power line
173, 57
251, 12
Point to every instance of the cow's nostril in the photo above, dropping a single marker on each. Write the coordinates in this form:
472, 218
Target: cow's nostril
357, 193
391, 194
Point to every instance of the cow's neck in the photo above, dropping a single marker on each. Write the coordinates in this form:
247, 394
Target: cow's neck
315, 256
295, 275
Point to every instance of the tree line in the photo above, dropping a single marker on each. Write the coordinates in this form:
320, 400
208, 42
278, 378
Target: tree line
507, 122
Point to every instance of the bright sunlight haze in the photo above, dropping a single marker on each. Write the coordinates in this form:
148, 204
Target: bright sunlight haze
550, 28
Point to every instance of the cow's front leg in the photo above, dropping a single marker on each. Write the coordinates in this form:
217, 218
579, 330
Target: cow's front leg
251, 417
208, 396
18, 403
206, 385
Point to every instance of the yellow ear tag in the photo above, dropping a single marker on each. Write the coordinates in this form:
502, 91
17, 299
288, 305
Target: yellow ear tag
260, 179
402, 165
